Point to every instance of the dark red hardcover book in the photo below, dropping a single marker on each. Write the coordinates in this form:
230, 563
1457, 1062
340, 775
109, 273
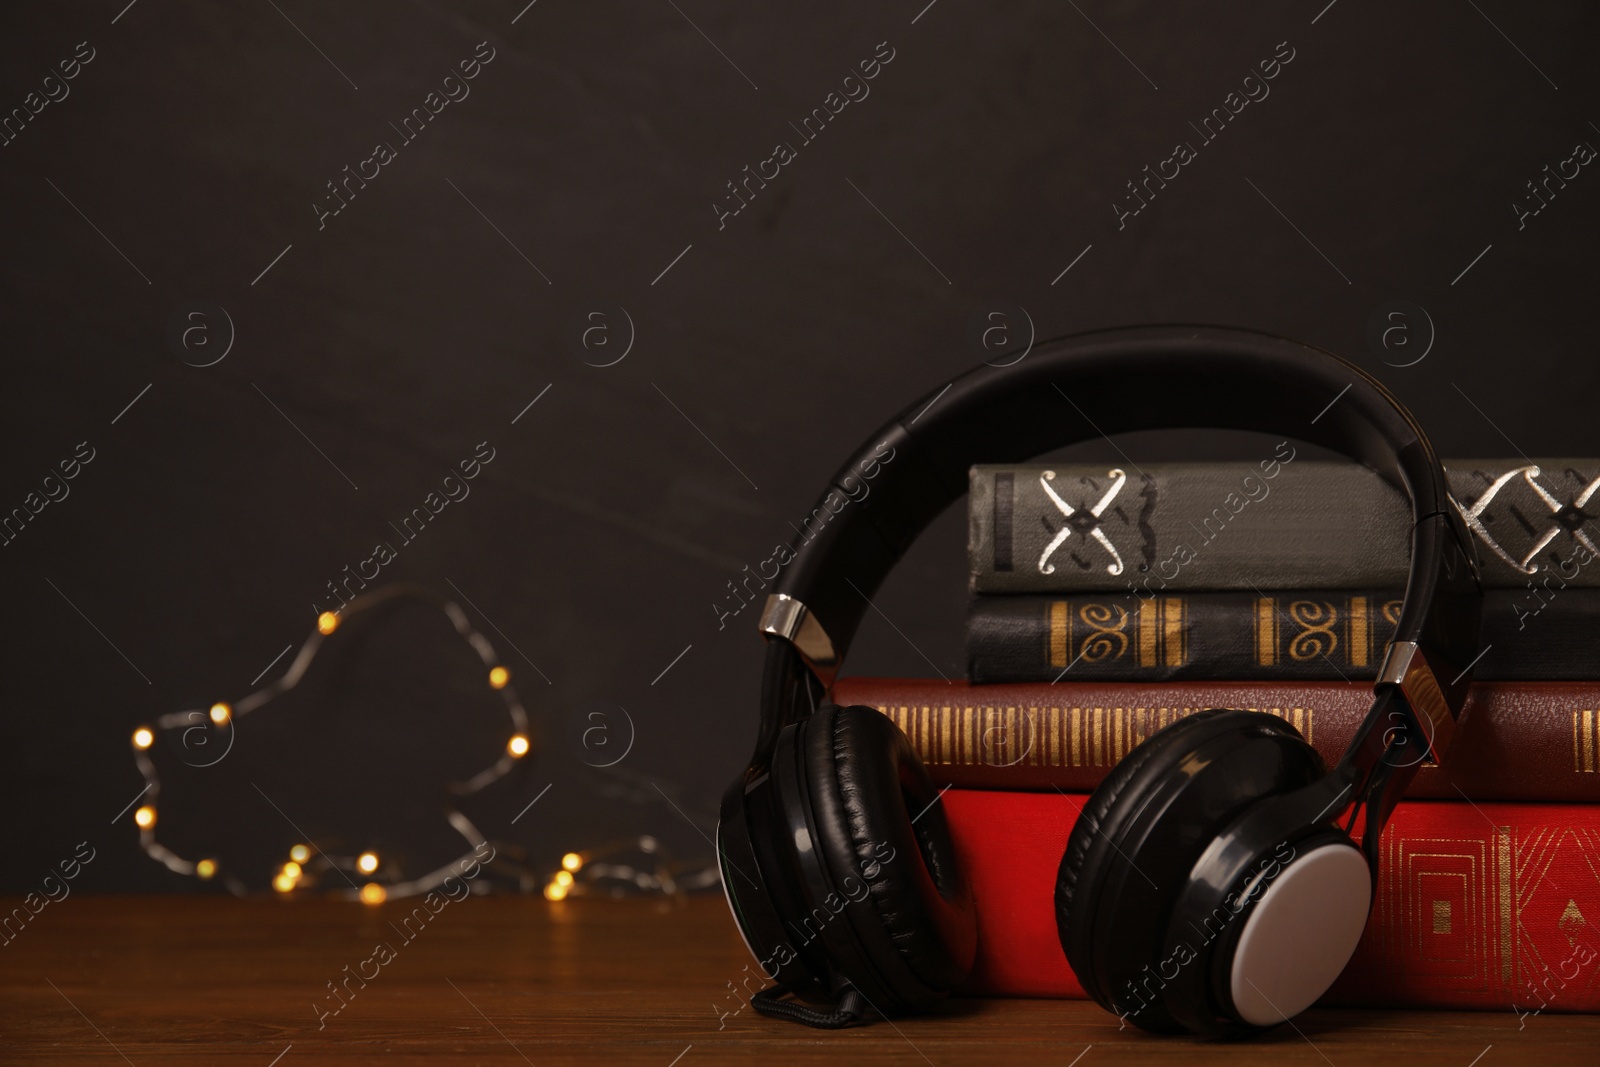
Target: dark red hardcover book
1520, 741
1488, 906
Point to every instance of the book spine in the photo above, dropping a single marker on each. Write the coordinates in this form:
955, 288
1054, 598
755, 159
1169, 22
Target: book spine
1487, 906
1519, 741
1280, 523
1324, 635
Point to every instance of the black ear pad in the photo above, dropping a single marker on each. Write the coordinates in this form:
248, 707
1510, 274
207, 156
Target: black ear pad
1131, 851
1087, 831
906, 934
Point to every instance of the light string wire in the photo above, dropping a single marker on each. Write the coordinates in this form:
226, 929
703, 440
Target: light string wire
584, 873
220, 717
580, 872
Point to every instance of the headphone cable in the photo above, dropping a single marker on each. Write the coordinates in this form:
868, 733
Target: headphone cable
848, 1012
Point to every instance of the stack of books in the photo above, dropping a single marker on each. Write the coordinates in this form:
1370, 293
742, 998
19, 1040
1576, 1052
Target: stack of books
1110, 602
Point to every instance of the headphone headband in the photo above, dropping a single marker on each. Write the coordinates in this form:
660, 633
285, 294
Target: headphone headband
1092, 385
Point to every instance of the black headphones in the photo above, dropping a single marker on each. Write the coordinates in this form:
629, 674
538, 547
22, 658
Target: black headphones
1208, 884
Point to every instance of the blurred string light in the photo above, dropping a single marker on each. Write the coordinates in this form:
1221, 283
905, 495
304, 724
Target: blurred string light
366, 877
215, 726
596, 872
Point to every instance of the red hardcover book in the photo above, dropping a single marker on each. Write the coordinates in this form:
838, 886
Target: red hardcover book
1488, 906
1520, 741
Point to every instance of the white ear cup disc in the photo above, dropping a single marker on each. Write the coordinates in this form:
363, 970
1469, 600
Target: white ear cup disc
1300, 934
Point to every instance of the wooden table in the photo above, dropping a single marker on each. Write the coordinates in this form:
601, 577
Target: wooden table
209, 980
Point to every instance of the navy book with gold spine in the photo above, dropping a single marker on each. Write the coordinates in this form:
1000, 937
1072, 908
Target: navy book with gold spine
1322, 635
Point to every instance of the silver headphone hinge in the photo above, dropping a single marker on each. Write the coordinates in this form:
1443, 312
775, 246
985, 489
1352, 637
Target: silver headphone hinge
1406, 666
789, 619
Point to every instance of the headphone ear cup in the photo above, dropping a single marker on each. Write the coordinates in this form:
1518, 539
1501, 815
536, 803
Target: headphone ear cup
1087, 831
904, 907
1138, 836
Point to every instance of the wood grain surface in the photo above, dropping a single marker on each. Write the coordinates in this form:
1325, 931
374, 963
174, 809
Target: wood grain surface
166, 980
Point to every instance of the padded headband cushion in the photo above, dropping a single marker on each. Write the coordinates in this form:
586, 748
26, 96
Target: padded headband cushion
883, 838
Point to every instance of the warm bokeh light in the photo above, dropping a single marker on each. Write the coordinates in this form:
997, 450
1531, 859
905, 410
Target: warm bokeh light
286, 880
571, 861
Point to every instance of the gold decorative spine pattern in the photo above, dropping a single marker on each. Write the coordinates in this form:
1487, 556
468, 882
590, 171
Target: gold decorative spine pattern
1360, 640
1266, 632
1478, 911
1060, 633
1508, 958
1149, 643
1585, 749
1155, 635
1173, 633
1035, 735
1310, 629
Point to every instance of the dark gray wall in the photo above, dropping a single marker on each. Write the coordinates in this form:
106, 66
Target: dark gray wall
990, 154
